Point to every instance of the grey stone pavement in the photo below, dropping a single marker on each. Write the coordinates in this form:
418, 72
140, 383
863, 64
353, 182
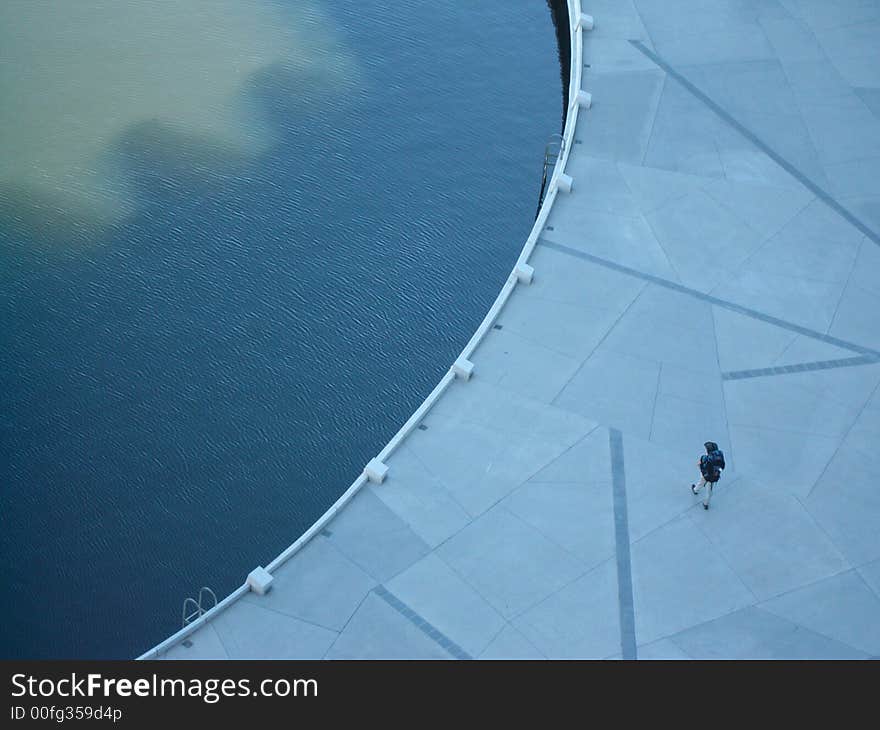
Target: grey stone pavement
713, 274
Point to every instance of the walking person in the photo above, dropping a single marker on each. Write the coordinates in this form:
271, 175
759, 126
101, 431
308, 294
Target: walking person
711, 463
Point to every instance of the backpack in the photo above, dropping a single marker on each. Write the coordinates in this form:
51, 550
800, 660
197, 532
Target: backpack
712, 463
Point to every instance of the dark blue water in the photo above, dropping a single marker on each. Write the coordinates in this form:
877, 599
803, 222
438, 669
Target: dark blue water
183, 396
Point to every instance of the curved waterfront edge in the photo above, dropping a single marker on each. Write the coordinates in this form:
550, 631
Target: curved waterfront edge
461, 368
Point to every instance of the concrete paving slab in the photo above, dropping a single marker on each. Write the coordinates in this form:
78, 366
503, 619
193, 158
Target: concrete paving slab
805, 302
735, 489
420, 500
435, 592
867, 209
806, 456
658, 483
853, 178
858, 70
249, 631
782, 404
662, 306
815, 79
619, 19
824, 122
375, 538
511, 644
461, 454
509, 562
702, 16
745, 87
482, 403
579, 517
205, 645
751, 633
845, 501
773, 544
578, 622
855, 318
561, 277
848, 387
680, 423
577, 329
654, 189
697, 386
806, 349
870, 573
743, 138
852, 49
664, 649
745, 343
743, 162
788, 136
609, 192
614, 55
763, 207
480, 464
624, 240
519, 366
683, 45
873, 403
697, 222
792, 40
680, 580
871, 98
378, 631
842, 607
685, 136
614, 388
628, 101
666, 341
322, 586
835, 14
586, 462
813, 255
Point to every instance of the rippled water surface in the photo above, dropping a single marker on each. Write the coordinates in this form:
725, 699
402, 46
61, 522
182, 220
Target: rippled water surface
240, 241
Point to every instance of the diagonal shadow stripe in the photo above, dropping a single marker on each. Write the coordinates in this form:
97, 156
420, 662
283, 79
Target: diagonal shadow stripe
427, 628
818, 191
800, 367
723, 303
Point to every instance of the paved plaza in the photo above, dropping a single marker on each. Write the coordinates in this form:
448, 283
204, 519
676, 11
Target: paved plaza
714, 274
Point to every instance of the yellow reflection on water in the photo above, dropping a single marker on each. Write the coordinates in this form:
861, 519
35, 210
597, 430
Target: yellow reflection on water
77, 75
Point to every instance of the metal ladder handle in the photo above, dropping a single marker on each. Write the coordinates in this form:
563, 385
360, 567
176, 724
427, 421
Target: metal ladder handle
551, 155
194, 615
200, 606
205, 589
556, 140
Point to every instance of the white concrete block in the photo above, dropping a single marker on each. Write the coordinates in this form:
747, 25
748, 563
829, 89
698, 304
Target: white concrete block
585, 99
524, 273
585, 22
463, 369
564, 183
376, 471
259, 580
